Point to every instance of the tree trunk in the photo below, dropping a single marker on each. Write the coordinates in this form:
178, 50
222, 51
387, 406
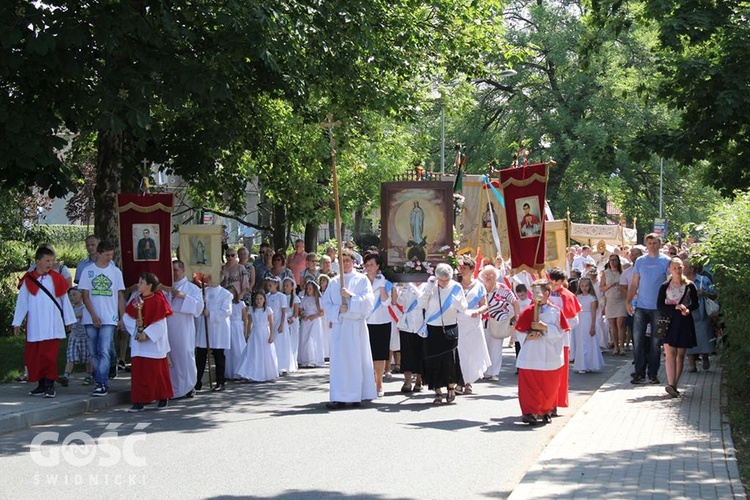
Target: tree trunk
358, 216
279, 227
311, 236
109, 147
331, 229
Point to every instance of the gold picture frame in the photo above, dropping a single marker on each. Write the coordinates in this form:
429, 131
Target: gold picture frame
200, 250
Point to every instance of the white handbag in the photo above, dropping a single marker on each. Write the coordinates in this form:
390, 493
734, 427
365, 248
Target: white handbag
712, 307
498, 329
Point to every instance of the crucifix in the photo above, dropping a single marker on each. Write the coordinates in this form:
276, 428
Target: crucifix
330, 124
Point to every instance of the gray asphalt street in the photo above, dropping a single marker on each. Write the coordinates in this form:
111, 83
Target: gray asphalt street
278, 440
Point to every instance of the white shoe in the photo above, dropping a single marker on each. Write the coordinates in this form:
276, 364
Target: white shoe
381, 394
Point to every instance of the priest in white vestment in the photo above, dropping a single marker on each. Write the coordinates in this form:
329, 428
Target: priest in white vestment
352, 375
186, 300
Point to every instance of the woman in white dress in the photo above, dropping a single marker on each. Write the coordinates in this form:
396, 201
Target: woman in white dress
473, 355
311, 351
323, 281
238, 336
588, 355
259, 362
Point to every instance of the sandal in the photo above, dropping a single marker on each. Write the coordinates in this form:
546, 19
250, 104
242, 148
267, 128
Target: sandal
438, 399
417, 388
458, 390
451, 397
406, 388
468, 390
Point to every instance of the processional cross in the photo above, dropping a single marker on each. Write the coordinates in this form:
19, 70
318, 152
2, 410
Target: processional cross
330, 124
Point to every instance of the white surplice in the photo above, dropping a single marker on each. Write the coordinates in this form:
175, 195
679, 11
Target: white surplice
181, 332
352, 374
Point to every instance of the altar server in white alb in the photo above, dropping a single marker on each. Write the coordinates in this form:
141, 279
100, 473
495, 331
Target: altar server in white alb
47, 312
146, 320
346, 308
186, 301
216, 312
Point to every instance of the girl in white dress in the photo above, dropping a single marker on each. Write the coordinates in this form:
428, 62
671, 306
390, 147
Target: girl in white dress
588, 355
311, 352
277, 302
238, 336
259, 362
292, 302
323, 281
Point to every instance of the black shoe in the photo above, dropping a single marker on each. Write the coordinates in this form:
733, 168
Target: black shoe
190, 394
199, 386
121, 364
50, 392
547, 418
162, 405
218, 388
39, 391
553, 413
64, 381
653, 381
335, 405
638, 379
135, 408
113, 371
529, 418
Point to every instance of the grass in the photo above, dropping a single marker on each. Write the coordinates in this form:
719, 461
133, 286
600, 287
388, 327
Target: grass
739, 422
11, 358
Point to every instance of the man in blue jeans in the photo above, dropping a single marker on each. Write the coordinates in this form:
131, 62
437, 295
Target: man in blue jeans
649, 272
102, 286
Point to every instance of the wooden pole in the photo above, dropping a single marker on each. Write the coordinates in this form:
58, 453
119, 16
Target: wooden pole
330, 124
205, 325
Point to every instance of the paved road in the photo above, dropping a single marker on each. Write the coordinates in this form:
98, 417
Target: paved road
277, 439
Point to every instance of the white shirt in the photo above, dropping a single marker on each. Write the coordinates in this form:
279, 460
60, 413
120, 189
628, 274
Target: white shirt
104, 286
380, 314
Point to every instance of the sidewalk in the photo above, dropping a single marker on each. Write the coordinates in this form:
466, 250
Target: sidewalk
18, 410
634, 441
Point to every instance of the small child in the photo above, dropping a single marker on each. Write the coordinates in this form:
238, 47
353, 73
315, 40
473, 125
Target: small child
588, 356
293, 303
78, 342
323, 281
237, 337
523, 302
259, 362
311, 351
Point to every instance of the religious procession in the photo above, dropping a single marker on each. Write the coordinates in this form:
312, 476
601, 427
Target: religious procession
427, 305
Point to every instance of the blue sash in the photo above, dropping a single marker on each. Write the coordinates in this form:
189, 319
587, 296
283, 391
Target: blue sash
378, 302
443, 307
475, 301
408, 310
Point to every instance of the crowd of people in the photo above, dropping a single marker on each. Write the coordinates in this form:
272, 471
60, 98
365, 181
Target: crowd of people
275, 314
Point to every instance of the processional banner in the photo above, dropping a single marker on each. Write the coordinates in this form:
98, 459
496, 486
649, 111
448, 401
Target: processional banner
145, 223
525, 191
200, 250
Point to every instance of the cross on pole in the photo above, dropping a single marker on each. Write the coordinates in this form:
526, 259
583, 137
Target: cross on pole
330, 124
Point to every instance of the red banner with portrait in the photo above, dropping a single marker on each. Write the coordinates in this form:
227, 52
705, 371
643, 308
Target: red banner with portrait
145, 223
525, 191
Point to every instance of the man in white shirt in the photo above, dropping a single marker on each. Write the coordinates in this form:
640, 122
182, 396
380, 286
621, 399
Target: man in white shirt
583, 259
102, 287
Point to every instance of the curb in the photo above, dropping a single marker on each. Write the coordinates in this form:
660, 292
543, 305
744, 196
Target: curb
60, 409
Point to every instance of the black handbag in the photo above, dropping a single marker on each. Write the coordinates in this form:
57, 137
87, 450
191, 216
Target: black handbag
451, 332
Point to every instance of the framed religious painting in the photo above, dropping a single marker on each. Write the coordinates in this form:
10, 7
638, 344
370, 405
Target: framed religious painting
200, 250
416, 226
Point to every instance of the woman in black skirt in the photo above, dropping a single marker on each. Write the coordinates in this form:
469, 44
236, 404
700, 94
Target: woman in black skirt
677, 298
379, 321
410, 330
442, 299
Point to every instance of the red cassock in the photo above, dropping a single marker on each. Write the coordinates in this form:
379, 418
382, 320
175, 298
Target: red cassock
150, 378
